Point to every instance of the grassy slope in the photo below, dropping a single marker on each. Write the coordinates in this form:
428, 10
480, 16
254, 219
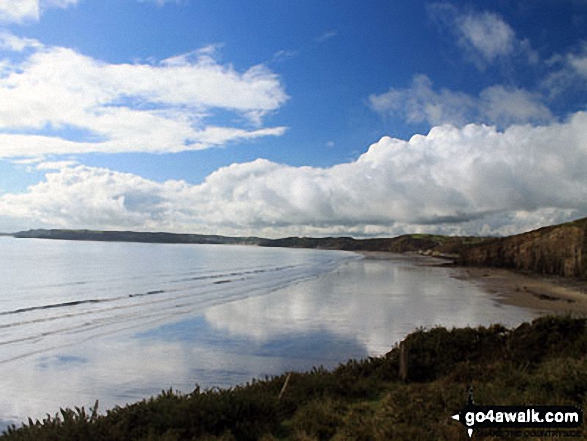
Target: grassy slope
540, 363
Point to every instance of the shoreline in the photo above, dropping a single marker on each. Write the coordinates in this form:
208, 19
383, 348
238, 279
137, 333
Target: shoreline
544, 294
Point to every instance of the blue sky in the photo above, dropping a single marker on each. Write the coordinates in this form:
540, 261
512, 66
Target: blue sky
275, 118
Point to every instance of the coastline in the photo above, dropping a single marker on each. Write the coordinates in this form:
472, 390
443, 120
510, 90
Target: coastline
544, 294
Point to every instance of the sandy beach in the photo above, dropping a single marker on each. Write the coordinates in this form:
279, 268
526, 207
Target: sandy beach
547, 294
544, 293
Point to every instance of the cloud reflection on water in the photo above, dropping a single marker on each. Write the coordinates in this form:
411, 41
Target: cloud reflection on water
374, 301
358, 310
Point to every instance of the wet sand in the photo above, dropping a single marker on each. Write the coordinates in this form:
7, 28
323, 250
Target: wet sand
546, 294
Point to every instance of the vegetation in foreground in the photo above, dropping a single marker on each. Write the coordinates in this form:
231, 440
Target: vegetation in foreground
544, 362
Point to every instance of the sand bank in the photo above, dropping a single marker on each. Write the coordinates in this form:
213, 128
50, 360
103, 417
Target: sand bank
547, 294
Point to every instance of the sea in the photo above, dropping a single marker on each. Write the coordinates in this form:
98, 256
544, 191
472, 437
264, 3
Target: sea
117, 322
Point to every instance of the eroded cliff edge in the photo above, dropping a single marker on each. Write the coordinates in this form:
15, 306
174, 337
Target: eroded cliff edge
557, 250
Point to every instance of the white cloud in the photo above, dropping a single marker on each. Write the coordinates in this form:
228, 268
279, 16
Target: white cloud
488, 34
467, 180
484, 36
14, 43
569, 72
19, 11
160, 2
59, 3
126, 107
578, 62
327, 35
495, 105
283, 55
420, 103
55, 165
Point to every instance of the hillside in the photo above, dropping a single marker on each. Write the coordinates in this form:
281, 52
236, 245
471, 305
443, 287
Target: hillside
424, 243
558, 250
411, 242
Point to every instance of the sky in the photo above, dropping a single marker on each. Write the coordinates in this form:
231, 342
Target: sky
306, 118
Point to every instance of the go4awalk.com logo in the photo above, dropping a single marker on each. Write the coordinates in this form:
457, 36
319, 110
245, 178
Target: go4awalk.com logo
521, 421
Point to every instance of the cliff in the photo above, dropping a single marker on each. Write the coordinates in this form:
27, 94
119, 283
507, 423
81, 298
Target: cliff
557, 250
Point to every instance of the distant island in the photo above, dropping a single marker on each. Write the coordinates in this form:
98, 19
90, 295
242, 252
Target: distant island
556, 250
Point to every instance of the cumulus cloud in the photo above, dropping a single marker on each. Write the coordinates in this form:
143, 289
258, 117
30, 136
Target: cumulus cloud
468, 180
58, 101
111, 198
496, 105
19, 11
484, 36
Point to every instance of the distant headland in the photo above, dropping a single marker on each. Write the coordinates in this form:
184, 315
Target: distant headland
556, 250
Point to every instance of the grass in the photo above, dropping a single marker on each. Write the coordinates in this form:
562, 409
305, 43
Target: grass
544, 362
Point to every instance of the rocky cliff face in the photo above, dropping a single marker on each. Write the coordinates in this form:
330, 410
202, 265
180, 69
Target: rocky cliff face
559, 249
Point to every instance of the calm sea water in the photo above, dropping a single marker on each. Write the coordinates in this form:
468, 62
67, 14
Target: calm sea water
119, 322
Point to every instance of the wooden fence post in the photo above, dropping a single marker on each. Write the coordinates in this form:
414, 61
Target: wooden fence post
403, 361
284, 386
